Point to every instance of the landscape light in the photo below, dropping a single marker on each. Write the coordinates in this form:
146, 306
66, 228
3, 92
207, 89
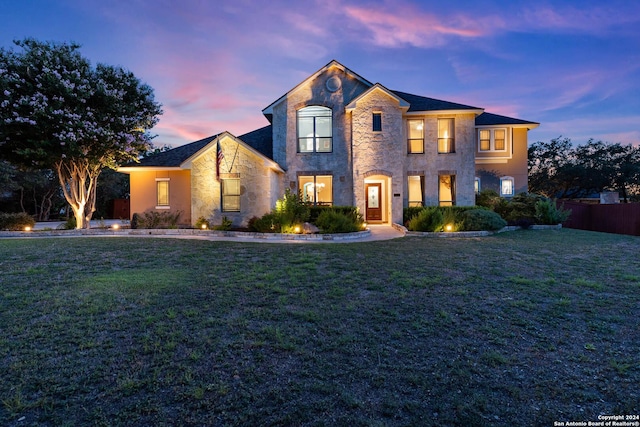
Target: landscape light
296, 229
27, 228
448, 227
115, 226
204, 226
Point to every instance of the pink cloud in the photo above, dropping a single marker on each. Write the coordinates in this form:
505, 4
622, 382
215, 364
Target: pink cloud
406, 25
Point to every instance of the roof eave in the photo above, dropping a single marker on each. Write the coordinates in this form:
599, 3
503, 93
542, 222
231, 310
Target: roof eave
476, 111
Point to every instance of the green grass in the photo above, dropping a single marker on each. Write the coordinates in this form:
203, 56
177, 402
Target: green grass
521, 328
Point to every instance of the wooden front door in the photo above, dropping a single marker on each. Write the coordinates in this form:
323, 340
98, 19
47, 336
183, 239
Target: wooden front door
374, 204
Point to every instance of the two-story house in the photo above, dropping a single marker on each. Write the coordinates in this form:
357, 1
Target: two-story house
338, 139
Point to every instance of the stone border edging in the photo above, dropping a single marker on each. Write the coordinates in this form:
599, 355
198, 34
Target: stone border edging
445, 234
187, 232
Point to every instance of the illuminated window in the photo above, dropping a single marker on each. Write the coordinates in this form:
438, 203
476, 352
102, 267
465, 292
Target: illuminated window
377, 122
231, 195
416, 136
416, 190
492, 140
316, 189
162, 193
476, 185
446, 136
447, 190
507, 187
314, 130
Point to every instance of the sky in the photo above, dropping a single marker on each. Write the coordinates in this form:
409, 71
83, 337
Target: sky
572, 66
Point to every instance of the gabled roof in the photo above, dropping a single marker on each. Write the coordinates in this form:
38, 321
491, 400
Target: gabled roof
174, 157
268, 111
489, 119
422, 103
404, 105
260, 139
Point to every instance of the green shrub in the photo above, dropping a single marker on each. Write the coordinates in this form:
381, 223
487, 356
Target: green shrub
351, 211
202, 221
548, 212
268, 223
410, 212
69, 224
481, 220
16, 221
488, 199
429, 219
153, 220
225, 225
330, 221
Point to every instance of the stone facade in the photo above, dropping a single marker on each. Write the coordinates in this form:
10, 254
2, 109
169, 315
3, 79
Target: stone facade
259, 183
363, 160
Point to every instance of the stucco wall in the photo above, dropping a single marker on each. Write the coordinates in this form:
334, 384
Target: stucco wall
144, 194
515, 166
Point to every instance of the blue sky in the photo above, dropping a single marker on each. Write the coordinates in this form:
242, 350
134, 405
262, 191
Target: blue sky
573, 66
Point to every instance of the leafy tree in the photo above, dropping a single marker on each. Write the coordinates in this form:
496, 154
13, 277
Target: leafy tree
60, 113
558, 169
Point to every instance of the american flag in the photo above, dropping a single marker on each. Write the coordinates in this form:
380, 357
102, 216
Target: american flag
219, 160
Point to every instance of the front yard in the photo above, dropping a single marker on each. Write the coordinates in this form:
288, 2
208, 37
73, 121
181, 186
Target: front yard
521, 328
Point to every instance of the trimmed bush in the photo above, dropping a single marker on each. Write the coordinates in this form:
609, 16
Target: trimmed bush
410, 212
429, 219
481, 220
548, 212
330, 221
154, 220
16, 221
202, 221
225, 225
268, 223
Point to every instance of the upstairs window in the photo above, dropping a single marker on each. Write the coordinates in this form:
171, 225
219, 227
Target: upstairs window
415, 141
492, 140
315, 130
446, 136
377, 122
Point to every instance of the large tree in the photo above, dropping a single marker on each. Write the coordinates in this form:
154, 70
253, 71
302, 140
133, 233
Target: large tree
60, 112
559, 169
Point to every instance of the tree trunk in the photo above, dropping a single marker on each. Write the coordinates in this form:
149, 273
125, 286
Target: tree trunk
78, 179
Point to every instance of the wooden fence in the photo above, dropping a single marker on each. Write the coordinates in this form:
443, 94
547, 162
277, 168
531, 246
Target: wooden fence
621, 218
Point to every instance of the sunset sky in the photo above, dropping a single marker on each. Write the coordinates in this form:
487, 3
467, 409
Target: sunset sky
573, 66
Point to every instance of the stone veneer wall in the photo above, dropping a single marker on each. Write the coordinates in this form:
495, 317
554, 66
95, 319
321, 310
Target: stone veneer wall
258, 184
381, 154
285, 136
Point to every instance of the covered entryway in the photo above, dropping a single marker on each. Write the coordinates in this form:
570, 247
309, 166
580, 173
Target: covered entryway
377, 198
372, 201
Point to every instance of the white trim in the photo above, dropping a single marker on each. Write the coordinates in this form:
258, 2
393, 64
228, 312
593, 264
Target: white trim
163, 179
476, 111
163, 207
492, 140
129, 169
513, 186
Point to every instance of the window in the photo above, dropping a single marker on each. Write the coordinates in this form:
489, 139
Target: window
446, 137
377, 122
416, 136
447, 190
162, 193
492, 140
314, 130
507, 187
231, 195
416, 190
316, 189
476, 185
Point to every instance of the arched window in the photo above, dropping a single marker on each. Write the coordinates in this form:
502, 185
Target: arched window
315, 130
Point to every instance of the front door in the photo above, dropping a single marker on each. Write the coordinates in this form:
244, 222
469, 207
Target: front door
374, 204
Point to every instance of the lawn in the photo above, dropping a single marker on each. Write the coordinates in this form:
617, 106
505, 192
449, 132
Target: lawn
521, 328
